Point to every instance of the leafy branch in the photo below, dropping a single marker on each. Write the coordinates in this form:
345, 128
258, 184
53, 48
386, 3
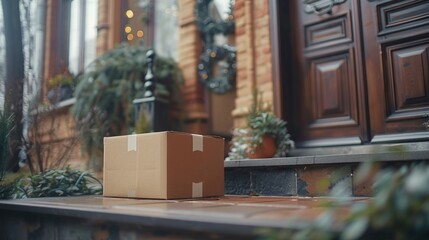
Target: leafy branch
105, 92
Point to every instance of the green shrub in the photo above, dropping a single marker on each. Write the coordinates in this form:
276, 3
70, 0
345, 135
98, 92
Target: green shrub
53, 183
7, 185
6, 125
6, 190
398, 210
106, 90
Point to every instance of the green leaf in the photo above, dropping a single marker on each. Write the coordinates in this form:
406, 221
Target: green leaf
59, 192
355, 229
363, 172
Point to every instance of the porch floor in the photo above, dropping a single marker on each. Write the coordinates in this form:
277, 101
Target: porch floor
223, 216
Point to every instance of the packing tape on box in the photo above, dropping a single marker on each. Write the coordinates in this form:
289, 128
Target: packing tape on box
197, 142
132, 142
132, 146
132, 193
197, 190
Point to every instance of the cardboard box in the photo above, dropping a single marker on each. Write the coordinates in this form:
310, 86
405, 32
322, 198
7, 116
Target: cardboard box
163, 165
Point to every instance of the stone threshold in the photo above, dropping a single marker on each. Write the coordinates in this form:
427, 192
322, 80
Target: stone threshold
338, 155
301, 173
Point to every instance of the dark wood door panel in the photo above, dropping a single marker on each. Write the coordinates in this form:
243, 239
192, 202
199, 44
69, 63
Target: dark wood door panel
402, 15
396, 36
329, 86
333, 97
358, 73
407, 68
328, 32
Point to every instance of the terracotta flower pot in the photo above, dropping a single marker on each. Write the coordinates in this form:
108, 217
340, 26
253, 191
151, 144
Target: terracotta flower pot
267, 149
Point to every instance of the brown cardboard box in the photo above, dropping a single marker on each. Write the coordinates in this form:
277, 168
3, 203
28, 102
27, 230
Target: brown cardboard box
163, 165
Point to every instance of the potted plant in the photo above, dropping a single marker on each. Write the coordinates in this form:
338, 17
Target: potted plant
264, 136
60, 87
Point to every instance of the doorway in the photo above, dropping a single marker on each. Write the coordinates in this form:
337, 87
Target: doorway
354, 72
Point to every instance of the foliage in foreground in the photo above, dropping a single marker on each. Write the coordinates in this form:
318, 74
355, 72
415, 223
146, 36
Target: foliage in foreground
426, 123
53, 183
399, 210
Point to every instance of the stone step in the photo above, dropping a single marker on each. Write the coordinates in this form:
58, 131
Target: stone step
316, 171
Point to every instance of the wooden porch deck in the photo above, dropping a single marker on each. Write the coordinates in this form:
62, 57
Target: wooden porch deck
97, 217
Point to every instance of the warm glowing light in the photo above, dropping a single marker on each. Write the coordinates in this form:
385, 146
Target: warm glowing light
213, 54
130, 37
140, 33
128, 29
129, 13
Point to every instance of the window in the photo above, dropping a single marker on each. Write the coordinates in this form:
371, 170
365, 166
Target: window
83, 34
166, 28
152, 24
2, 56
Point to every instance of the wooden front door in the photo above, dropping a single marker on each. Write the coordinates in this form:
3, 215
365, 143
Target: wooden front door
360, 71
396, 37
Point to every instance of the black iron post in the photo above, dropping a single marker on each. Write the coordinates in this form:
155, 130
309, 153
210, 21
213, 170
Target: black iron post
149, 79
155, 109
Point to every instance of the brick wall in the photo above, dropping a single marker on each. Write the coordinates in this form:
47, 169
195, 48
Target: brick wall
189, 49
253, 58
51, 46
254, 67
53, 139
103, 27
108, 36
109, 25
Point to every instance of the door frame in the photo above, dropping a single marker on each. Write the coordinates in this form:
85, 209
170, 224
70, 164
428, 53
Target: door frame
281, 62
275, 48
282, 56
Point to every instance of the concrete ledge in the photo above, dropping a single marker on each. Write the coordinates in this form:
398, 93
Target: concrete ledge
352, 154
90, 217
301, 173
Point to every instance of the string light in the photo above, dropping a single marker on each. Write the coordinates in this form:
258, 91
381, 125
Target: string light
129, 13
128, 29
140, 33
130, 37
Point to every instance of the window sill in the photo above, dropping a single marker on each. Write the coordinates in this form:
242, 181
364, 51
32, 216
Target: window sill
60, 106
